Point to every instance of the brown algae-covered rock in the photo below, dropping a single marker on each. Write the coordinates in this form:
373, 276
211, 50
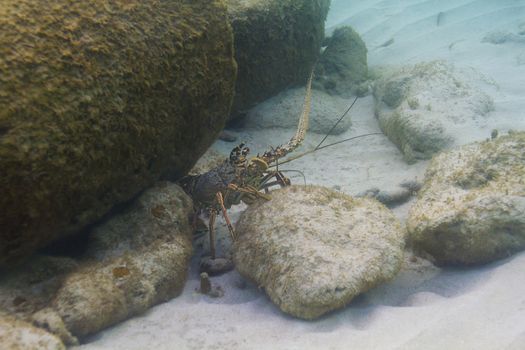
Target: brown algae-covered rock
471, 208
313, 249
98, 101
16, 334
276, 45
409, 105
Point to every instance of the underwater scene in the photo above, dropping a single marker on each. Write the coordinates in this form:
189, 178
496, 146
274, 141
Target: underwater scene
262, 174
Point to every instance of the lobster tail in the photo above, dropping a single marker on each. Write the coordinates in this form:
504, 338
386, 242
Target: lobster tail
282, 150
302, 127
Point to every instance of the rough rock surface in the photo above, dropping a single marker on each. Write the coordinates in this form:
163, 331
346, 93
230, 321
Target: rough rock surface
276, 45
342, 67
411, 112
313, 249
98, 101
19, 335
471, 208
133, 261
283, 111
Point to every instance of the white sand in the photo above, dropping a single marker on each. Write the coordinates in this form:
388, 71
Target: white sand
424, 307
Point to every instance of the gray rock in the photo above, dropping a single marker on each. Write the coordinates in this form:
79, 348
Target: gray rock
313, 249
206, 288
283, 111
342, 67
471, 208
400, 195
411, 109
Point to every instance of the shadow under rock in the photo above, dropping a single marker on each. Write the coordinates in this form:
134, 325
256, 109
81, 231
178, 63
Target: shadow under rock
427, 279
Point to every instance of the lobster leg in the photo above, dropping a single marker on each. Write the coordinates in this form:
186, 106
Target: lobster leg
220, 200
211, 228
212, 264
250, 190
280, 180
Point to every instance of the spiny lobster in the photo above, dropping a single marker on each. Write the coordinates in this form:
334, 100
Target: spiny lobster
239, 179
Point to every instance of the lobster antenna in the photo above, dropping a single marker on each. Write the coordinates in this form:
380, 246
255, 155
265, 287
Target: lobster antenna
348, 139
325, 146
338, 121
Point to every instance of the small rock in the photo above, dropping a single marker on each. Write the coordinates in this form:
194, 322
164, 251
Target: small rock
205, 286
395, 197
216, 266
370, 193
411, 185
208, 289
227, 136
392, 198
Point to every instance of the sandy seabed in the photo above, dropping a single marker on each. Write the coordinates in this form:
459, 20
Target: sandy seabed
425, 307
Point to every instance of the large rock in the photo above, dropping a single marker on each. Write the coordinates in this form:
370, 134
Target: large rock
98, 100
313, 249
135, 260
276, 45
471, 208
423, 108
342, 67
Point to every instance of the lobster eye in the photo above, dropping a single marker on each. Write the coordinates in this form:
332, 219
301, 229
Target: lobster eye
245, 151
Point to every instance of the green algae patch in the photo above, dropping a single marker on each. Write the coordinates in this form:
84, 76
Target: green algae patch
98, 101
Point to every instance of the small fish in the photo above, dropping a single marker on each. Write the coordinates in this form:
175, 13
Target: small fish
386, 43
439, 18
